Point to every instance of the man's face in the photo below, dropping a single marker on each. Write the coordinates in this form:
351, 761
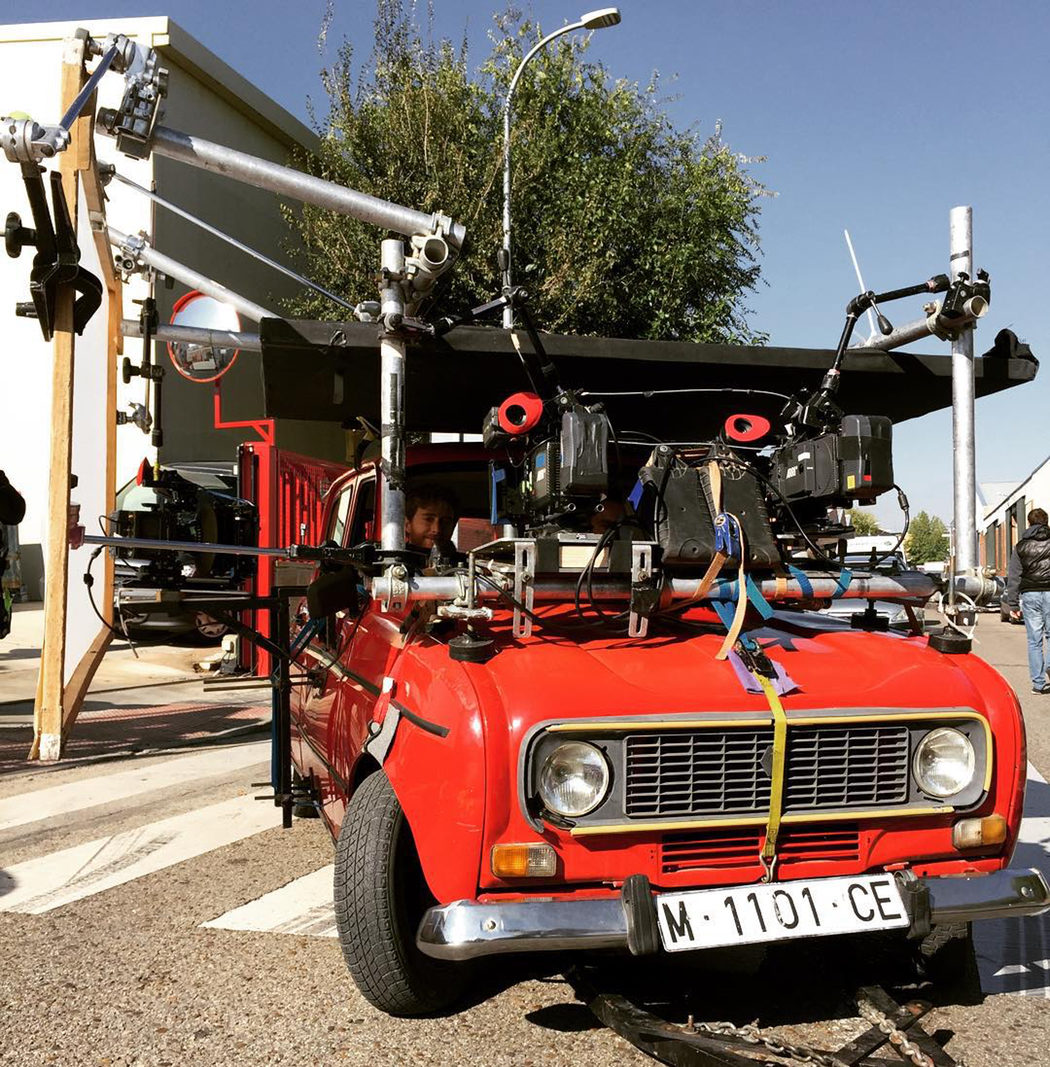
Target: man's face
431, 523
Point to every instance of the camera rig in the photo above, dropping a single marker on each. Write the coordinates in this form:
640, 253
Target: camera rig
588, 512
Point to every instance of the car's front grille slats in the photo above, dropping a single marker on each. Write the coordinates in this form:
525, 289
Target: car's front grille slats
697, 773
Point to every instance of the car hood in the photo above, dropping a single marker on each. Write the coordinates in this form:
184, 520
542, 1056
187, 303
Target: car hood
830, 665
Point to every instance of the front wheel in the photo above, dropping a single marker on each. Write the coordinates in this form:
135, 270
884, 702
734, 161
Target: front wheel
380, 898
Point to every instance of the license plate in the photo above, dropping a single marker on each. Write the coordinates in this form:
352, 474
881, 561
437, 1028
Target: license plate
745, 915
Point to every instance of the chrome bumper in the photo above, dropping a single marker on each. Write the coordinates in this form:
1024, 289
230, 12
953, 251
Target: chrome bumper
466, 929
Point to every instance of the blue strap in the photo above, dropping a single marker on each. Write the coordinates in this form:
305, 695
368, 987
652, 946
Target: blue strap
800, 577
843, 582
758, 601
635, 496
725, 612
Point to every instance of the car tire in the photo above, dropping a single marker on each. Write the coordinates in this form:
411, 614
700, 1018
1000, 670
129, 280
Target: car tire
380, 898
209, 630
948, 959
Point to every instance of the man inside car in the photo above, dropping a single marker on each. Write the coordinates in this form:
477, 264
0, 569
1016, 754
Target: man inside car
431, 511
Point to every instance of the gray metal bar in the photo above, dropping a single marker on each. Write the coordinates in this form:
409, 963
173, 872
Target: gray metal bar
902, 335
246, 249
965, 482
285, 181
73, 112
191, 335
194, 279
183, 546
392, 397
908, 586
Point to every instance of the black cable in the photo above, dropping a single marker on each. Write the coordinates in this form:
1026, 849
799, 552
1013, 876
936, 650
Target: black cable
674, 392
902, 503
570, 626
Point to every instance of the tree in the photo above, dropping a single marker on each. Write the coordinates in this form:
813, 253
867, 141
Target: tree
927, 540
864, 523
622, 225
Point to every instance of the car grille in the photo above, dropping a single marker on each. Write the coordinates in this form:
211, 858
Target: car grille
727, 772
740, 846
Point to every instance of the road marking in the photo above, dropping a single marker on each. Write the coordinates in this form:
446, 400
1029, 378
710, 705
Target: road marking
40, 885
58, 800
300, 907
1011, 953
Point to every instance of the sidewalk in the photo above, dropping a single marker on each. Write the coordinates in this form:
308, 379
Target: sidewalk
154, 701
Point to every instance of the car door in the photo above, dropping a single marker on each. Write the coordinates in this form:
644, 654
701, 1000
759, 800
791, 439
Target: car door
316, 703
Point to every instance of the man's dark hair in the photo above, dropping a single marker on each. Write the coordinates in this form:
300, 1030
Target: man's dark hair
1036, 517
429, 493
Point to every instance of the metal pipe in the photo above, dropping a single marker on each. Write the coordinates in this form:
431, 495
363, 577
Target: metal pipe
901, 335
194, 279
907, 586
392, 396
285, 181
965, 481
85, 94
183, 546
193, 335
239, 245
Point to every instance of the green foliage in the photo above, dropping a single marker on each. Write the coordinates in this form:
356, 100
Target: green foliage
621, 225
927, 540
864, 523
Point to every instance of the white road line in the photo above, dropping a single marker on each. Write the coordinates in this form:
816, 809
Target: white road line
58, 800
42, 884
1011, 952
300, 907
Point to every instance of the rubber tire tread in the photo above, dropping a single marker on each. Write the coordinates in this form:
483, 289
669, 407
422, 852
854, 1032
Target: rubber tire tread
949, 960
374, 850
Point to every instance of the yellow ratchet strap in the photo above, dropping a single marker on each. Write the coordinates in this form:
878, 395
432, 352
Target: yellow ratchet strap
776, 789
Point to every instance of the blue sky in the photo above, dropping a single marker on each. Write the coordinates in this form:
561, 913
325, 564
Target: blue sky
878, 118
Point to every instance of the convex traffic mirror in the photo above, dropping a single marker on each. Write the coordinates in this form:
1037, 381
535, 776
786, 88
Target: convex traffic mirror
199, 360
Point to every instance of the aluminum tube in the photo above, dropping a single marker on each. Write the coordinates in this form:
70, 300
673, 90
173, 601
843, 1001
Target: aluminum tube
908, 586
901, 335
151, 257
392, 398
191, 335
183, 546
285, 181
239, 245
963, 447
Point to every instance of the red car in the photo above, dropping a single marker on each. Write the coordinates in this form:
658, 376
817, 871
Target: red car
569, 789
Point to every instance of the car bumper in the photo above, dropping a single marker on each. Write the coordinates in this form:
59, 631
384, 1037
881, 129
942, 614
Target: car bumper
467, 929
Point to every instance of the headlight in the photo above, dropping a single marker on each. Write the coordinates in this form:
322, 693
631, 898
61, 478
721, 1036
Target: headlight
944, 762
574, 779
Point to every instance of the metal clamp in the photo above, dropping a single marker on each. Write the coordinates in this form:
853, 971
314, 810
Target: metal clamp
27, 142
641, 578
397, 589
524, 586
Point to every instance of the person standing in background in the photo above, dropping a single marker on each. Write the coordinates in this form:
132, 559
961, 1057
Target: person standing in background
12, 511
1028, 593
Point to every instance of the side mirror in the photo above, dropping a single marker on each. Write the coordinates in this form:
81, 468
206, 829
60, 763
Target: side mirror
332, 592
203, 362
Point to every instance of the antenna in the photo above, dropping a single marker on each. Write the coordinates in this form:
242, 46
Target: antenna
860, 280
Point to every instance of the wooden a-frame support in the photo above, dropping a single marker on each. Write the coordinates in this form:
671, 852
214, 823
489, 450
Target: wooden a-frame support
57, 704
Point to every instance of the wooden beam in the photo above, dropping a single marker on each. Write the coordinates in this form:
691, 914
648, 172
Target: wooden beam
87, 168
48, 711
80, 682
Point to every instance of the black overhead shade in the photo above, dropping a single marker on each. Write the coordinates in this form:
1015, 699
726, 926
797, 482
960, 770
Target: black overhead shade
330, 371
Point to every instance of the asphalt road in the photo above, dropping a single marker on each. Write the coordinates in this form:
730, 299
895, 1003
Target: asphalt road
106, 960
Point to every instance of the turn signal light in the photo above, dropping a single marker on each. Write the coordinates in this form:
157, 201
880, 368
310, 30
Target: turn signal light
979, 833
531, 860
